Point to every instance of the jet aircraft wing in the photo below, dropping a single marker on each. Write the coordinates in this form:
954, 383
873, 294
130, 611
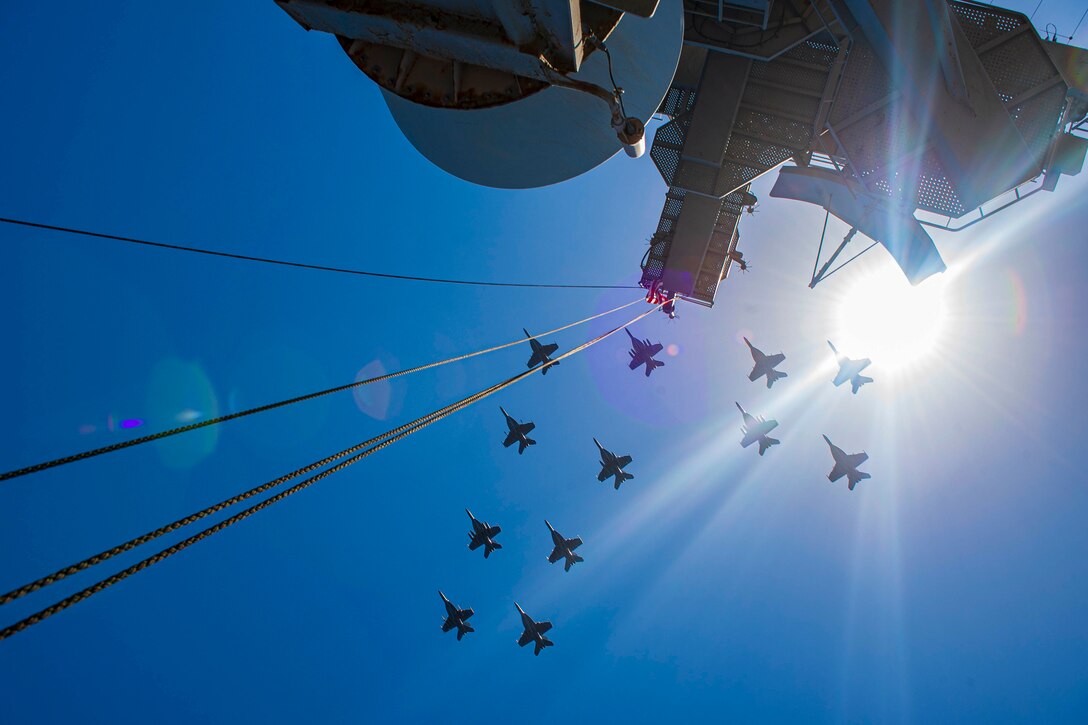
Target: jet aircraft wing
549, 349
511, 439
655, 348
493, 531
603, 474
623, 461
475, 544
542, 627
775, 360
448, 624
525, 638
850, 368
756, 374
556, 555
574, 543
635, 363
856, 459
837, 472
525, 428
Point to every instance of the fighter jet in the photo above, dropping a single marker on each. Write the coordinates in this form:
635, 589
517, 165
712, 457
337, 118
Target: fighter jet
519, 433
642, 353
755, 430
456, 618
534, 631
850, 370
613, 465
540, 354
847, 465
482, 534
564, 548
765, 365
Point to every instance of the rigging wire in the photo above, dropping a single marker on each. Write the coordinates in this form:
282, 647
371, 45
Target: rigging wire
303, 265
203, 513
44, 465
849, 261
389, 439
185, 521
1082, 17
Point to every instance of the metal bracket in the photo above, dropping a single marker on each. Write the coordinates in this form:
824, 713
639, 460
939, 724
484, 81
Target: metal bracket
823, 273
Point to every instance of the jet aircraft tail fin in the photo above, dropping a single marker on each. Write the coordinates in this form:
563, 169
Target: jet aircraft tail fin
541, 644
652, 365
623, 476
774, 375
766, 442
858, 381
854, 478
525, 443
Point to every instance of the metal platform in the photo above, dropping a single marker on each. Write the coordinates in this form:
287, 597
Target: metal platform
933, 106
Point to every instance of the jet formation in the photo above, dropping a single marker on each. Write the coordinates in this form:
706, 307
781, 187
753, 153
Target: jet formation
765, 365
642, 353
519, 433
540, 354
456, 618
482, 534
846, 464
850, 370
564, 548
755, 430
613, 465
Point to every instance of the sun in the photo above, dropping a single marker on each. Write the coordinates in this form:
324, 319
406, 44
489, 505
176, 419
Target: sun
883, 317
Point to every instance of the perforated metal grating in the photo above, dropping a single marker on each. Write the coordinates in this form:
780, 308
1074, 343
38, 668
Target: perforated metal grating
982, 25
863, 83
677, 101
774, 122
667, 145
1020, 69
1037, 119
1018, 66
787, 132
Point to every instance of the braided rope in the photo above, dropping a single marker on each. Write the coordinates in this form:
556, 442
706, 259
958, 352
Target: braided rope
204, 513
389, 438
186, 543
272, 406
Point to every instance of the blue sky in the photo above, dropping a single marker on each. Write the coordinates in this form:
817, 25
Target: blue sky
717, 585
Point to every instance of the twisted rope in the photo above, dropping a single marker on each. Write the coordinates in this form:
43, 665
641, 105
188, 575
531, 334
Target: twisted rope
390, 437
272, 406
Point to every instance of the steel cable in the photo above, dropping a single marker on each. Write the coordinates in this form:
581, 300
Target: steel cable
303, 265
44, 465
387, 439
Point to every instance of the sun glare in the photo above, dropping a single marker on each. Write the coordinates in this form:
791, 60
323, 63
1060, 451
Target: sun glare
881, 316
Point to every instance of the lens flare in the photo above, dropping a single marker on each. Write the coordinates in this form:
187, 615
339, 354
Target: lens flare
884, 318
